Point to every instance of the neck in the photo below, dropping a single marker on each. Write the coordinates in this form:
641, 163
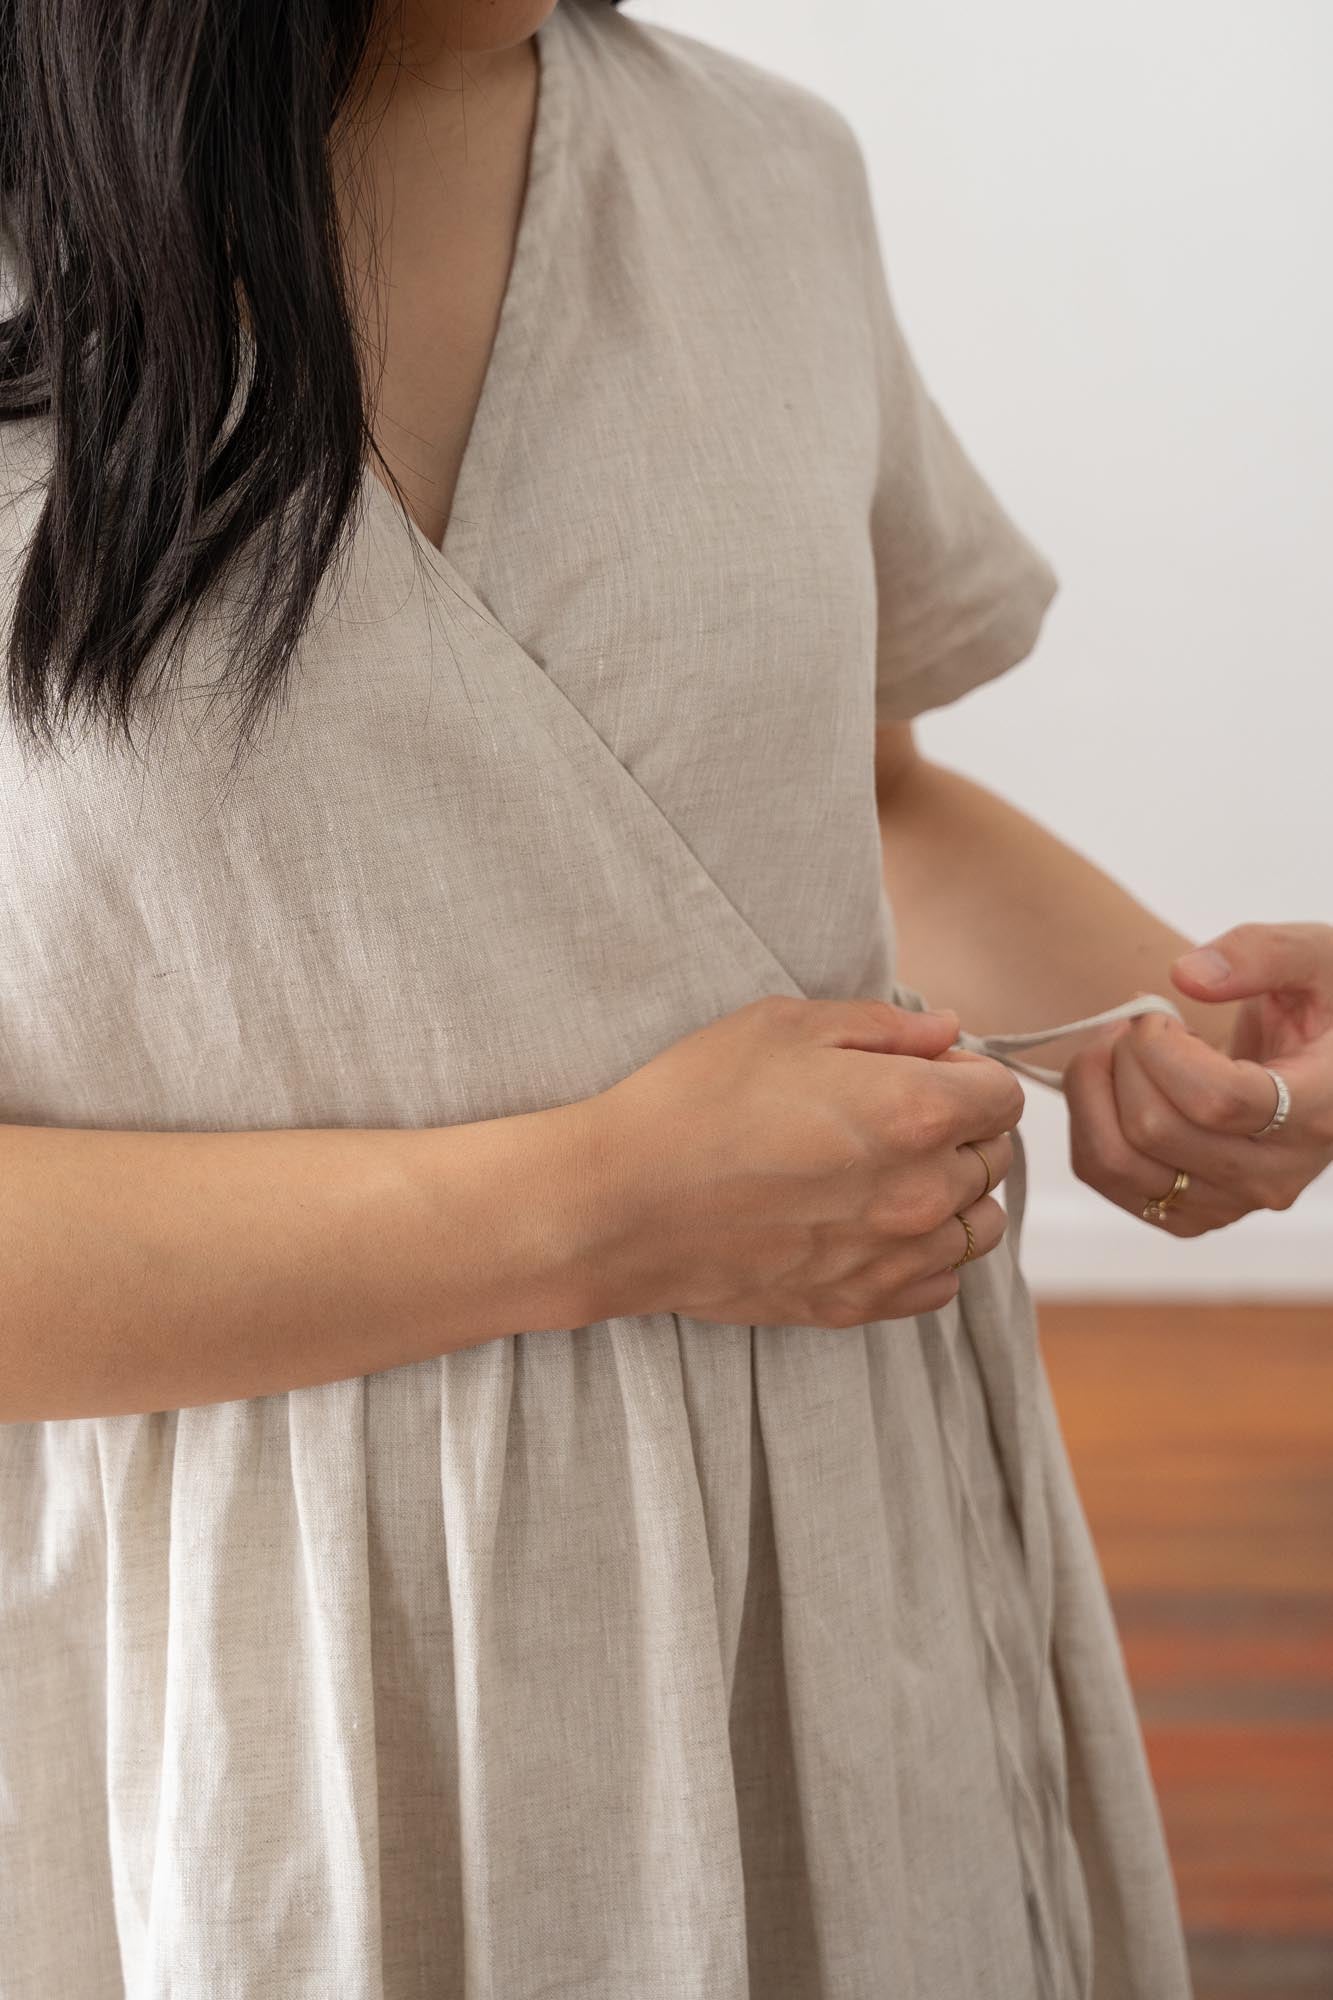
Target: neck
422, 70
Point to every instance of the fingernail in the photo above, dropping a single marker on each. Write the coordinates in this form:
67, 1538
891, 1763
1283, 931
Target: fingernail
1207, 966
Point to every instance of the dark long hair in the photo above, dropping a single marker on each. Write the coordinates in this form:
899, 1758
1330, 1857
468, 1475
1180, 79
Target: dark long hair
185, 320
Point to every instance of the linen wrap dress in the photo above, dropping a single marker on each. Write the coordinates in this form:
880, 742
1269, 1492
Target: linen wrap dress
645, 1660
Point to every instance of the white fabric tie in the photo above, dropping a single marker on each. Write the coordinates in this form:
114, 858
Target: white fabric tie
999, 1045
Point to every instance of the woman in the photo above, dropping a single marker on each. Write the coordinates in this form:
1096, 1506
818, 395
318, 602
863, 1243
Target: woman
526, 1466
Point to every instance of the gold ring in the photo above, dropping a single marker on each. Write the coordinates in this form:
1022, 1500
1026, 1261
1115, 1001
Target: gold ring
972, 1146
971, 1246
1154, 1210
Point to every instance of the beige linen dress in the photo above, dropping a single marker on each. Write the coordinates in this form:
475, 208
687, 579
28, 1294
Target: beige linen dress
645, 1660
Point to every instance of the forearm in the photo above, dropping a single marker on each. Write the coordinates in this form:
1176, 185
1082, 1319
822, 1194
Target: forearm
153, 1271
999, 918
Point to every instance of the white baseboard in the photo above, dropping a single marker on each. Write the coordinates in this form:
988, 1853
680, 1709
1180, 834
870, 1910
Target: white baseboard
1079, 1247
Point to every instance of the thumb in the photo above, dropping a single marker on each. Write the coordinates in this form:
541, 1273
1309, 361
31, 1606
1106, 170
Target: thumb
1251, 959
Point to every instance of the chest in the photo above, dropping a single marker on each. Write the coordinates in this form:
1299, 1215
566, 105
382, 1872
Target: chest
435, 293
422, 427
511, 846
674, 527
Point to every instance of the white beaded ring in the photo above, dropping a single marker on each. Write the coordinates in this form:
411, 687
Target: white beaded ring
1283, 1104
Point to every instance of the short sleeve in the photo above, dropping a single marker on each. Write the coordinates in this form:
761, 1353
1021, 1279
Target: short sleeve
961, 591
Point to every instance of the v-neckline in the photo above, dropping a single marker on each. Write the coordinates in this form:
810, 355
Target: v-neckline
455, 558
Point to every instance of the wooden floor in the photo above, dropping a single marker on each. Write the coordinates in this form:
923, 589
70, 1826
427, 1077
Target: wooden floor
1202, 1440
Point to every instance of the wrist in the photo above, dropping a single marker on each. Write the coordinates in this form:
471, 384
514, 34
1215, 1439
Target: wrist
521, 1219
587, 1187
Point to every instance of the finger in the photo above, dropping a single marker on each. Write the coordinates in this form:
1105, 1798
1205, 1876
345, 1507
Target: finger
918, 1197
1212, 1091
944, 1103
1250, 1032
939, 1248
1100, 1153
1308, 1075
1243, 1175
1104, 1159
922, 1196
1251, 959
878, 1026
1153, 1128
968, 1178
926, 1295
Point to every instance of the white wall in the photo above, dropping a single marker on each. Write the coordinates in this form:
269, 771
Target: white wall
1108, 232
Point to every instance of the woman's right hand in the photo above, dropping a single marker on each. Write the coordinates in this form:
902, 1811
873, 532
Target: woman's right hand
801, 1162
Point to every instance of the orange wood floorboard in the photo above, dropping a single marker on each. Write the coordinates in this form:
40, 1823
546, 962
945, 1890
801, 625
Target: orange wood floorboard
1202, 1441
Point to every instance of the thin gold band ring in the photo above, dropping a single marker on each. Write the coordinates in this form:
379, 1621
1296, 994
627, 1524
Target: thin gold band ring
973, 1147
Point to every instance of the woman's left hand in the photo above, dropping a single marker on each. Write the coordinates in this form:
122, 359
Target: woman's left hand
1151, 1096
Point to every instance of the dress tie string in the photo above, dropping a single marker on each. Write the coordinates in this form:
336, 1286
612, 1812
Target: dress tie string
1002, 1048
1009, 1363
